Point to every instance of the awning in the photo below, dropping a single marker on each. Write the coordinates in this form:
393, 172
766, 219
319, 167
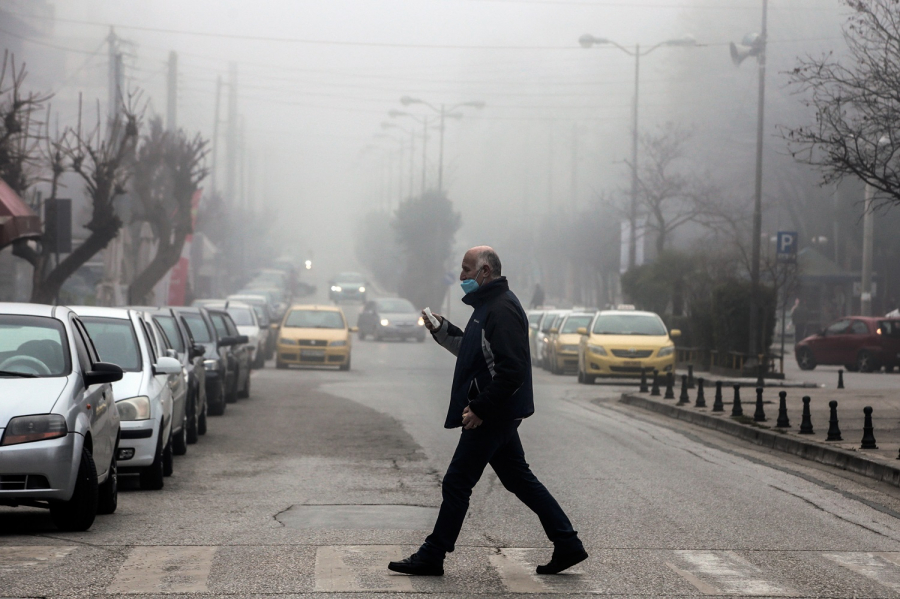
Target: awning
17, 221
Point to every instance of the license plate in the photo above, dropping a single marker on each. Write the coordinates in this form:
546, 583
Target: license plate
312, 353
631, 363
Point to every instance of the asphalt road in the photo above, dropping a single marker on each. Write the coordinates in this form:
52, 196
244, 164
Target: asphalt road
310, 486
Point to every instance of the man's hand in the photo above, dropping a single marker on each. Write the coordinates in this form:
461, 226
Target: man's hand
470, 420
428, 324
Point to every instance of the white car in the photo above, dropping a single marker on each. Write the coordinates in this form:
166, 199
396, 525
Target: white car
244, 317
145, 395
59, 425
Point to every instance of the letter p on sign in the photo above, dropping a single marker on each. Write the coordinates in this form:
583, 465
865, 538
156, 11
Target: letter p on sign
787, 246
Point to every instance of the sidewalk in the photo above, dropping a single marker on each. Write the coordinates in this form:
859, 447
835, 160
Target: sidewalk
880, 463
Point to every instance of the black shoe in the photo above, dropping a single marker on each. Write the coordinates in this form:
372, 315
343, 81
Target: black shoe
416, 566
562, 561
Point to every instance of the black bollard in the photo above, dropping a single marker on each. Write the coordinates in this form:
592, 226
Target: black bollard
683, 396
654, 389
690, 376
670, 386
783, 421
868, 440
701, 400
760, 381
643, 388
736, 408
760, 414
806, 427
834, 431
718, 406
840, 379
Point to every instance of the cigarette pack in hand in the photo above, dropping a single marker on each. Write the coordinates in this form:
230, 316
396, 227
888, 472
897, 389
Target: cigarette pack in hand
434, 321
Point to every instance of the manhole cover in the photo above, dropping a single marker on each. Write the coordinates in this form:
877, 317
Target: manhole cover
391, 517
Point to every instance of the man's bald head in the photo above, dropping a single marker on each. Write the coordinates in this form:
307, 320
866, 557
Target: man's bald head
484, 255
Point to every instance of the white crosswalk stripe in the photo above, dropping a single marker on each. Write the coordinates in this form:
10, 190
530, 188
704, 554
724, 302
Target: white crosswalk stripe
515, 572
13, 557
164, 570
725, 573
352, 568
880, 567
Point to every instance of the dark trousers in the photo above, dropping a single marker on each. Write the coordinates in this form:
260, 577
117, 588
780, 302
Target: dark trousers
496, 444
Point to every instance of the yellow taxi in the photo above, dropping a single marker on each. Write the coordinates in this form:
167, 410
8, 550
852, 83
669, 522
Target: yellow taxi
623, 343
564, 340
313, 335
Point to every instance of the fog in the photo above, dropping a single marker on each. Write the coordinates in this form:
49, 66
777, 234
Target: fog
316, 79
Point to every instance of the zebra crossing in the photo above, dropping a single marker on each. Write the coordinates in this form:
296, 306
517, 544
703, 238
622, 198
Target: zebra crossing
154, 570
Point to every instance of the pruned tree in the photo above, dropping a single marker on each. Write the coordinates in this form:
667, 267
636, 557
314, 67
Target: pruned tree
856, 102
22, 132
168, 171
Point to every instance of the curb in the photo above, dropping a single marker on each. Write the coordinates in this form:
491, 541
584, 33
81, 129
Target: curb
808, 450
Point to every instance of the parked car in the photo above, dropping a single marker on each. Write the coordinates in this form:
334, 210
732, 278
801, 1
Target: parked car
218, 362
534, 320
564, 347
314, 336
625, 343
347, 286
391, 317
238, 354
144, 395
541, 335
548, 338
60, 422
190, 355
244, 317
264, 314
862, 343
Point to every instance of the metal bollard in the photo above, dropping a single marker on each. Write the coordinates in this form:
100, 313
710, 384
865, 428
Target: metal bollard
654, 390
718, 406
760, 380
783, 421
643, 388
840, 379
683, 398
834, 431
806, 426
760, 414
670, 386
701, 400
868, 440
690, 376
736, 408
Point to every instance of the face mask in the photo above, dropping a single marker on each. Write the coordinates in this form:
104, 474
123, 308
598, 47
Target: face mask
469, 285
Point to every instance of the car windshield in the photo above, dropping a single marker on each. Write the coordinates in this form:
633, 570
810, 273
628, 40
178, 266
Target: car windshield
395, 306
547, 322
170, 328
349, 278
242, 317
199, 331
115, 341
534, 318
315, 319
33, 346
629, 324
573, 323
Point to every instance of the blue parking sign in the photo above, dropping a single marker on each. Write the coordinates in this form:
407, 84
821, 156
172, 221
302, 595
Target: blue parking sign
787, 246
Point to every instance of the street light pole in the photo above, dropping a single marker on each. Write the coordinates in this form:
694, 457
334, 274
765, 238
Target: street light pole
441, 155
865, 296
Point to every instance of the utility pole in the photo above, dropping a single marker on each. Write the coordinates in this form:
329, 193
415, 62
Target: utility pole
865, 296
632, 214
172, 95
231, 137
424, 152
575, 168
116, 78
215, 136
441, 156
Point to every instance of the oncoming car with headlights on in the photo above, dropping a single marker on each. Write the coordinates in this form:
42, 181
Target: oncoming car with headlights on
624, 343
347, 286
314, 336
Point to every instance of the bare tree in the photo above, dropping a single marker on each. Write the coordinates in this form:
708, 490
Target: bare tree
21, 131
856, 101
167, 174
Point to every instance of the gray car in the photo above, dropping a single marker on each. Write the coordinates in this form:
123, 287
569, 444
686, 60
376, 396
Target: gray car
391, 317
59, 423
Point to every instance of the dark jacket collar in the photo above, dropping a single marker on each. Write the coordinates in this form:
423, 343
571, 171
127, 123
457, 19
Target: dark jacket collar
486, 292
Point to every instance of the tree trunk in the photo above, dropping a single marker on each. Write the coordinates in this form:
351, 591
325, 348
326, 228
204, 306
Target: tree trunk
166, 257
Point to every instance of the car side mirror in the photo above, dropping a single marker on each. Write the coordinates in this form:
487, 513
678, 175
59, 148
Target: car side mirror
167, 365
197, 351
581, 331
241, 339
354, 329
554, 330
103, 372
675, 333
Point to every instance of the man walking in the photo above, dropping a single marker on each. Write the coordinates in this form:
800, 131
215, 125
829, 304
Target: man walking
490, 396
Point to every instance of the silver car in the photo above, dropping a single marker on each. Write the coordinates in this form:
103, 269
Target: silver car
59, 425
144, 395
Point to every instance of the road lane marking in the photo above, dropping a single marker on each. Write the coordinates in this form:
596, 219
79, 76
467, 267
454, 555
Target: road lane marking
726, 573
23, 556
355, 568
877, 566
515, 572
164, 570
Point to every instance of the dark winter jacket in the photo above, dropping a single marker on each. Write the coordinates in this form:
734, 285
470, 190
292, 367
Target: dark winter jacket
493, 360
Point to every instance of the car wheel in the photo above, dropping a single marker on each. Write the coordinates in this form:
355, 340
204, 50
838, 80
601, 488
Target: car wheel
168, 461
245, 392
888, 368
805, 359
108, 497
179, 440
231, 396
279, 364
345, 366
589, 379
78, 513
201, 421
376, 336
152, 475
193, 422
864, 361
580, 376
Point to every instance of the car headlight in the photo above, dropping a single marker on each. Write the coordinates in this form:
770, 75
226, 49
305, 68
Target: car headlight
362, 289
597, 349
210, 364
336, 288
568, 348
284, 341
338, 343
385, 322
37, 427
134, 408
666, 351
421, 322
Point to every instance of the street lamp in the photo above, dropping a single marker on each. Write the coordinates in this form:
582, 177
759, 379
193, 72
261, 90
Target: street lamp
445, 113
587, 41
